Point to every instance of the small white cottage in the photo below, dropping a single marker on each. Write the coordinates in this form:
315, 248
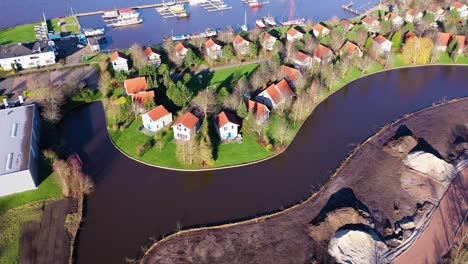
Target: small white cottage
227, 125
119, 61
156, 118
186, 126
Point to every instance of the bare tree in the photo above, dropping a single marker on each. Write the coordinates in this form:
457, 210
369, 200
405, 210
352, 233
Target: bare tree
364, 63
361, 36
225, 36
105, 83
309, 25
186, 151
281, 131
206, 101
232, 101
337, 37
254, 34
290, 51
257, 80
138, 56
198, 42
310, 45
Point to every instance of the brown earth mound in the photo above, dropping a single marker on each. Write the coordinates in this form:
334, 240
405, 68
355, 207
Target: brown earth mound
374, 188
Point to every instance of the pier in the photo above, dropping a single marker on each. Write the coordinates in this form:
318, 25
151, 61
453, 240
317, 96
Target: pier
214, 5
349, 8
157, 5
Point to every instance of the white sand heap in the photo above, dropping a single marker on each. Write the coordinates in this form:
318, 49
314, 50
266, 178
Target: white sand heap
356, 246
430, 165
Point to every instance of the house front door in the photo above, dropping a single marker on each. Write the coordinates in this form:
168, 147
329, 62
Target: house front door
229, 135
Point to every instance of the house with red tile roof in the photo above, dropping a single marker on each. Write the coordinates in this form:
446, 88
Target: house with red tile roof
260, 111
119, 61
294, 35
349, 49
397, 21
381, 45
437, 11
186, 126
140, 101
153, 56
460, 43
268, 41
135, 85
413, 15
323, 54
461, 8
241, 45
180, 50
156, 118
371, 24
213, 50
275, 94
291, 74
320, 30
346, 24
302, 60
442, 41
227, 125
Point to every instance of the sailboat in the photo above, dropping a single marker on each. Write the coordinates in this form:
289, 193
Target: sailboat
292, 21
245, 27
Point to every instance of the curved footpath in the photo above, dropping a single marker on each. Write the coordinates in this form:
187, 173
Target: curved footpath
372, 188
273, 155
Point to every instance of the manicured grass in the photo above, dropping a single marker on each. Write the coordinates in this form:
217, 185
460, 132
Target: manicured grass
18, 34
222, 78
398, 61
10, 230
49, 188
96, 58
352, 74
445, 58
227, 154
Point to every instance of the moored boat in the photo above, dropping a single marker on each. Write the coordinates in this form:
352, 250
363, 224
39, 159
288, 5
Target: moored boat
127, 13
298, 22
178, 8
270, 21
182, 15
110, 14
254, 4
126, 22
260, 24
93, 32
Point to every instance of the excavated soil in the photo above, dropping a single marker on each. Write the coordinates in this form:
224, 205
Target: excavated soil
374, 188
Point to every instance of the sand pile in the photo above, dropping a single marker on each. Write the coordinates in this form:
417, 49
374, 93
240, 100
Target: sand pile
430, 165
356, 246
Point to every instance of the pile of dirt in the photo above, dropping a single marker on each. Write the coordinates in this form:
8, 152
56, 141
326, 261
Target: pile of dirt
430, 165
356, 244
402, 142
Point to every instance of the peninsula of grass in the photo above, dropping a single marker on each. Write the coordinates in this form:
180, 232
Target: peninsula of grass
18, 34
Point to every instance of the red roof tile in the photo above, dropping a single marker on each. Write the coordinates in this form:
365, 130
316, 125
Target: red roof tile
239, 39
457, 5
210, 43
150, 50
443, 39
179, 47
292, 74
412, 12
319, 27
368, 20
142, 97
293, 32
284, 88
274, 93
301, 56
345, 23
188, 120
257, 108
135, 85
117, 54
268, 35
322, 52
391, 15
380, 39
349, 48
224, 118
157, 112
125, 10
410, 34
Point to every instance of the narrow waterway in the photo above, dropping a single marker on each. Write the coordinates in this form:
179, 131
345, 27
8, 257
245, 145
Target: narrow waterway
133, 202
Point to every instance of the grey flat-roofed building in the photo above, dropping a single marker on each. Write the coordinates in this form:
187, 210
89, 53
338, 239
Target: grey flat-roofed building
19, 150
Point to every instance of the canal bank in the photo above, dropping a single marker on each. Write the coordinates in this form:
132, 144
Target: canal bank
156, 202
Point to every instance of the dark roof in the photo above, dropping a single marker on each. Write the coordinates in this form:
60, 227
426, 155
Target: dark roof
22, 49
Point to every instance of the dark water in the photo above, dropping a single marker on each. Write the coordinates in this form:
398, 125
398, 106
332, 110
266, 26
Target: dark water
154, 27
133, 202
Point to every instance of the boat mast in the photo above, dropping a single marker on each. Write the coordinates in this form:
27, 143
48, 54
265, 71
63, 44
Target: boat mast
245, 17
291, 6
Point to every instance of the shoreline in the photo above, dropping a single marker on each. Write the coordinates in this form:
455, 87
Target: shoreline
294, 136
327, 185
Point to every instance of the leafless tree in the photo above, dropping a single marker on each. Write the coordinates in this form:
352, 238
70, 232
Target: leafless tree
254, 34
198, 42
138, 56
361, 36
105, 83
337, 37
309, 25
281, 131
242, 86
232, 101
310, 45
206, 101
257, 80
285, 105
168, 45
225, 36
290, 51
364, 63
186, 151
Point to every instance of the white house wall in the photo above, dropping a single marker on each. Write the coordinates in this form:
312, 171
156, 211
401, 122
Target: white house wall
29, 61
16, 182
158, 124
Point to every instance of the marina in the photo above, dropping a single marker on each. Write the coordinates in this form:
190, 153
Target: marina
172, 9
155, 5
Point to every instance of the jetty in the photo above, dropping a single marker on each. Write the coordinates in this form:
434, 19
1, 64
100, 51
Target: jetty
156, 5
349, 8
214, 5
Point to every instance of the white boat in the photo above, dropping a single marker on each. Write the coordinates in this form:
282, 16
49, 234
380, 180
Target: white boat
260, 24
270, 21
110, 14
126, 22
93, 32
127, 13
298, 21
182, 14
245, 27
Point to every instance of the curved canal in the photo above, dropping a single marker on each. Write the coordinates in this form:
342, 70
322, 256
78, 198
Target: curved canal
133, 202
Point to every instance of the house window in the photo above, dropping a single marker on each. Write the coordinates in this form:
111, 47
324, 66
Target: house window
14, 129
33, 58
9, 163
225, 128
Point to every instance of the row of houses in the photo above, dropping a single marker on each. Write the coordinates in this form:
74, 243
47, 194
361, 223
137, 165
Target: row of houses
119, 60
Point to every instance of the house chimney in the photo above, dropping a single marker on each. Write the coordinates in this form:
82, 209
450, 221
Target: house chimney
21, 100
5, 102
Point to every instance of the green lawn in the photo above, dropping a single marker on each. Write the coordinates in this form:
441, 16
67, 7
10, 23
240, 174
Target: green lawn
10, 225
445, 58
17, 34
222, 78
227, 154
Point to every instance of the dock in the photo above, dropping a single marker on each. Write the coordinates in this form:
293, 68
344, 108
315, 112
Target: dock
214, 5
156, 5
349, 8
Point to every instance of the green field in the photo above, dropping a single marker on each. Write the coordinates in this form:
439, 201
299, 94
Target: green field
18, 34
222, 78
